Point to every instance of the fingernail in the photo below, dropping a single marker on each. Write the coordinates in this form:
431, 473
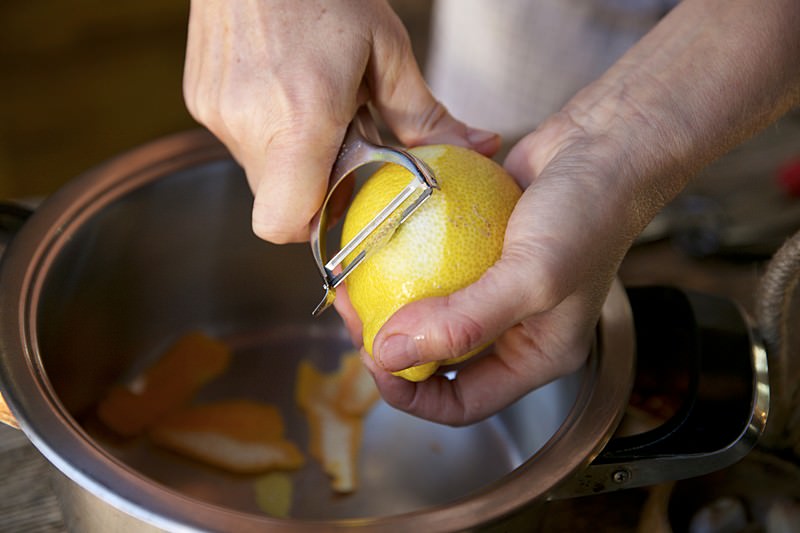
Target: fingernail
398, 352
476, 137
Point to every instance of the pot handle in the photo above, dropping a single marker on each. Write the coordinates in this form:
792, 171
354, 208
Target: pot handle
723, 382
12, 217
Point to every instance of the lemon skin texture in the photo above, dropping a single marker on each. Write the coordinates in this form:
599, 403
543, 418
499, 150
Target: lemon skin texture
447, 244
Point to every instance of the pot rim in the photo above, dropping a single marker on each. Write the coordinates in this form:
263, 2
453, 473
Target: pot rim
603, 395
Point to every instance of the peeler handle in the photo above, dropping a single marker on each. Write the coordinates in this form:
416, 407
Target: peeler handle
361, 146
362, 135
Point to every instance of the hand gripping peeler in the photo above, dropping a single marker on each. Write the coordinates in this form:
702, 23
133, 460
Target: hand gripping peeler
361, 146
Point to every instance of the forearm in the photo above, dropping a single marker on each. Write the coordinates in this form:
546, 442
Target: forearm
710, 75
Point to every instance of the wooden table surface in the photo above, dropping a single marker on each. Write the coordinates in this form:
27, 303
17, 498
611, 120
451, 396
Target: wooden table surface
27, 503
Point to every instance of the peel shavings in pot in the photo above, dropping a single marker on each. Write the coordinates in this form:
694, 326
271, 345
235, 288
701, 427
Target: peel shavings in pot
335, 405
240, 436
192, 361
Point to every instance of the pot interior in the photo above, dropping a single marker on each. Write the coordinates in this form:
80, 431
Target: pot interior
177, 254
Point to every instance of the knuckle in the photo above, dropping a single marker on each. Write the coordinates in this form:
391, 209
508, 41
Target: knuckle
542, 285
432, 119
545, 292
460, 335
310, 119
197, 105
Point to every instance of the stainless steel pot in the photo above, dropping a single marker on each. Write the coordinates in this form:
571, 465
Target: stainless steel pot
157, 242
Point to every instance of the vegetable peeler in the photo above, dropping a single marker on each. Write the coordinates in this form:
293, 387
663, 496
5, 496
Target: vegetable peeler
361, 146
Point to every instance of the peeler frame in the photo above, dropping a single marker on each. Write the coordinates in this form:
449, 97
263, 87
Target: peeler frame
360, 147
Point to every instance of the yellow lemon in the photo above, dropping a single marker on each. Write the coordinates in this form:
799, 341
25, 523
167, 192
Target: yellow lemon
447, 244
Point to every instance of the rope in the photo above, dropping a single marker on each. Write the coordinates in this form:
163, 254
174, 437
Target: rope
773, 309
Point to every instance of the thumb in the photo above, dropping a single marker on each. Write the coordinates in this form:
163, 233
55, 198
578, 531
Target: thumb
405, 102
439, 328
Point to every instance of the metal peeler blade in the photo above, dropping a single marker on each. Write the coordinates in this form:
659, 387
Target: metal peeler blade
362, 146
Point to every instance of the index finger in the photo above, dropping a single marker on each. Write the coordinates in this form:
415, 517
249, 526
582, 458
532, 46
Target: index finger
290, 179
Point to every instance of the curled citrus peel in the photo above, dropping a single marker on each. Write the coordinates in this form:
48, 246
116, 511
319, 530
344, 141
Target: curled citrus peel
335, 405
189, 363
240, 436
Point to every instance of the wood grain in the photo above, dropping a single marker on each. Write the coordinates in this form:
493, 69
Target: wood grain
27, 502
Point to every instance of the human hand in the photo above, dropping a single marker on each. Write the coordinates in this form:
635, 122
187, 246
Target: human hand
278, 82
539, 303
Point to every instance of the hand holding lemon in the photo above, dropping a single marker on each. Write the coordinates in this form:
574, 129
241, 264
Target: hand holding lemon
482, 264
